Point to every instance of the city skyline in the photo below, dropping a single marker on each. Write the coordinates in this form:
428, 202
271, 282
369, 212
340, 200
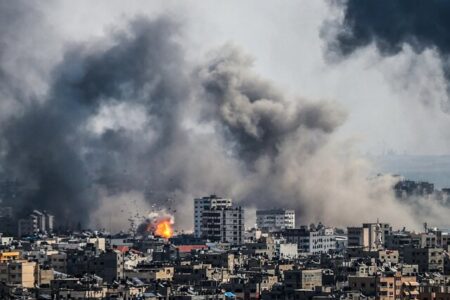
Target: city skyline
226, 150
158, 103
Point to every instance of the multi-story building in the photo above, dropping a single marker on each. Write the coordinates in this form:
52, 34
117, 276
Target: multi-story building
218, 260
430, 239
287, 251
18, 272
109, 265
407, 188
275, 219
36, 222
369, 237
207, 203
428, 259
223, 224
308, 241
322, 241
303, 279
299, 236
401, 239
385, 285
389, 256
355, 237
7, 223
58, 262
266, 247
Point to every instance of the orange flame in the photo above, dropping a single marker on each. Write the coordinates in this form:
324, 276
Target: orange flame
164, 229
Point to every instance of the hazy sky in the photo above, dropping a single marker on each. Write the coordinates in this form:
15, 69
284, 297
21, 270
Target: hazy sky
394, 102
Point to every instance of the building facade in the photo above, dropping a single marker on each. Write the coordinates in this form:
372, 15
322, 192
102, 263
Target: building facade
223, 224
369, 237
321, 240
207, 203
19, 272
275, 219
428, 259
36, 222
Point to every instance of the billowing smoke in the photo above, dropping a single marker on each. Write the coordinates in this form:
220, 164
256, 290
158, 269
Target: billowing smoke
158, 223
390, 24
395, 27
128, 114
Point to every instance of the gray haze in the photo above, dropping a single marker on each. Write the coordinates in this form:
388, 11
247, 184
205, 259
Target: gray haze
391, 26
128, 119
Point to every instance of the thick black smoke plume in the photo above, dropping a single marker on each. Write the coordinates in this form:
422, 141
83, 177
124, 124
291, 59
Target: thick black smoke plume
49, 145
114, 121
127, 119
391, 26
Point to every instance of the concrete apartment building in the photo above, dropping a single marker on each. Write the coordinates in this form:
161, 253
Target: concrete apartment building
321, 240
266, 247
401, 239
428, 259
58, 262
109, 265
207, 203
216, 219
389, 256
385, 285
430, 292
303, 279
219, 260
286, 251
19, 272
36, 222
299, 236
369, 237
147, 274
223, 224
270, 220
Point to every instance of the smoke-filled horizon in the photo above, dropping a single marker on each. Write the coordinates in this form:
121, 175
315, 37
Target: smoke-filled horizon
126, 121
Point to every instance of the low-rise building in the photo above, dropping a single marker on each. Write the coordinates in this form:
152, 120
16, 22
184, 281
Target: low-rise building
302, 279
19, 272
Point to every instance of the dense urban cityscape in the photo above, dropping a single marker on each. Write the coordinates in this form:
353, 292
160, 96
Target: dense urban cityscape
233, 150
221, 259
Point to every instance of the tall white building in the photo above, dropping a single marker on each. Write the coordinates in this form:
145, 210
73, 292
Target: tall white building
275, 219
207, 203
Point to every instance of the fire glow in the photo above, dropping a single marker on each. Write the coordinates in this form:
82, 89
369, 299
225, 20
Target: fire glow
163, 228
159, 223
